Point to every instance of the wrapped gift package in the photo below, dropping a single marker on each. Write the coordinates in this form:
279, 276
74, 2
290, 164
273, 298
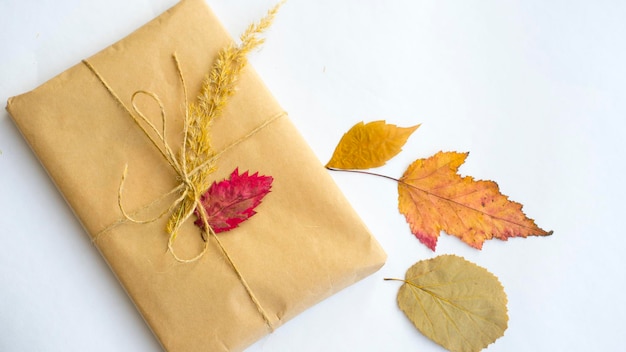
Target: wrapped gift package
304, 244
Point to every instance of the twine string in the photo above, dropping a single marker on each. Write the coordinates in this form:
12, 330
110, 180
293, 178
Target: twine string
186, 188
121, 103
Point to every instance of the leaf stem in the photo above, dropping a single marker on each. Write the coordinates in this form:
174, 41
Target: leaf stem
394, 279
365, 173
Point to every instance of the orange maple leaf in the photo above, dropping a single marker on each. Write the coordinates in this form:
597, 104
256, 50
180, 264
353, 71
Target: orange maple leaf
434, 197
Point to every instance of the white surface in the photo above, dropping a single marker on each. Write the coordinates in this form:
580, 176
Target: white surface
534, 89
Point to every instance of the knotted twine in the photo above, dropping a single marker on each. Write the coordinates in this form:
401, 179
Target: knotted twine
191, 186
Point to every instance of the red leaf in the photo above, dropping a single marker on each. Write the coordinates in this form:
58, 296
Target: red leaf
232, 201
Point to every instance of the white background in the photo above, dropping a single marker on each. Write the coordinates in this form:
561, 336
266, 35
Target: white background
536, 90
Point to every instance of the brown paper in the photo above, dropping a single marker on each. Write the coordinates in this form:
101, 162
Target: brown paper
304, 244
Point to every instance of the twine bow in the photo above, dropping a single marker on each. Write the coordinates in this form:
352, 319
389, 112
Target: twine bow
189, 200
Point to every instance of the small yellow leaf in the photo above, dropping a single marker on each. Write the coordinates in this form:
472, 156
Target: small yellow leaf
370, 145
454, 302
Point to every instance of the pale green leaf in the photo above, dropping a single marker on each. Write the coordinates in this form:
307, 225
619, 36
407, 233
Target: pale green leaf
455, 303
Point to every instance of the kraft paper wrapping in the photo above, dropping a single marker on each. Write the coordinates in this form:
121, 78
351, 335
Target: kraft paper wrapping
305, 243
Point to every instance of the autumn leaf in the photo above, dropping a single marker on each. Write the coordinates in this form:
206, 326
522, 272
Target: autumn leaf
458, 304
232, 201
369, 145
433, 197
